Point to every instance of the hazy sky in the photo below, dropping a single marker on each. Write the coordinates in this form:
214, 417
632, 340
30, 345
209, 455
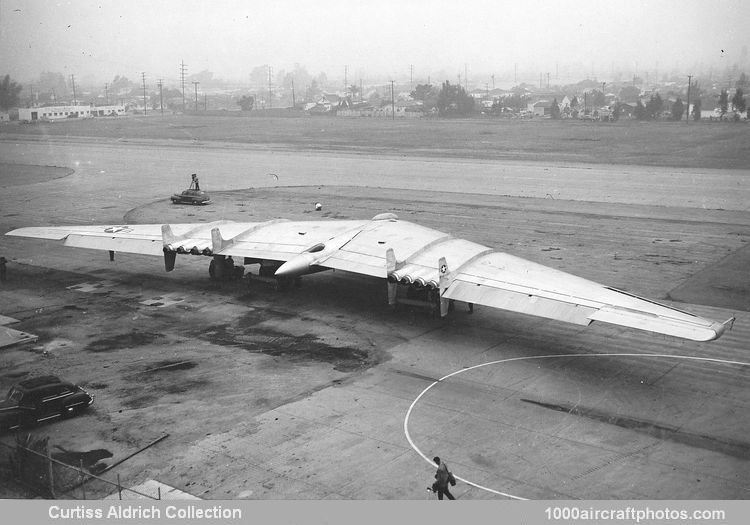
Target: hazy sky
372, 37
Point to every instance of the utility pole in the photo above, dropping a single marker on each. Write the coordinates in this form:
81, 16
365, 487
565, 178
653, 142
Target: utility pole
183, 69
106, 93
687, 119
270, 91
493, 81
195, 83
160, 83
73, 81
143, 76
346, 80
294, 102
393, 103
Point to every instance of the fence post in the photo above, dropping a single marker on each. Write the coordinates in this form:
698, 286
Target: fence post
83, 480
49, 469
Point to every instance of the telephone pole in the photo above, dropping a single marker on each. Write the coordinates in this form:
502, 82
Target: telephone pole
294, 102
73, 81
143, 77
195, 83
183, 69
393, 103
687, 119
270, 87
160, 83
106, 93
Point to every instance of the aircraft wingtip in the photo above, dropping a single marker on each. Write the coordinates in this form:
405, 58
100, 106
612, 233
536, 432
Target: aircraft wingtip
720, 328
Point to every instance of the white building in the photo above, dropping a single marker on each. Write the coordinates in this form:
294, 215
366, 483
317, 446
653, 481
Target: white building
62, 112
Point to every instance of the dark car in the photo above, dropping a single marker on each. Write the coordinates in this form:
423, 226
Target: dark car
191, 197
40, 399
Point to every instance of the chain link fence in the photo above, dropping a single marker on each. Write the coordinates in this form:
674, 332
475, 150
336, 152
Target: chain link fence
30, 463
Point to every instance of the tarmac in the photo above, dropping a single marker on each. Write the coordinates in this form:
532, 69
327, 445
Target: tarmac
326, 393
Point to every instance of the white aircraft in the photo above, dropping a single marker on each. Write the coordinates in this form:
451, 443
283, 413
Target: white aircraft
419, 261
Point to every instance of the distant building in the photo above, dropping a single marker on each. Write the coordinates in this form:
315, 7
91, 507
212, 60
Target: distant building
541, 108
49, 113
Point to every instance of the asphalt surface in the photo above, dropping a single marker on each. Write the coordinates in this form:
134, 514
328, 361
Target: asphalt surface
324, 392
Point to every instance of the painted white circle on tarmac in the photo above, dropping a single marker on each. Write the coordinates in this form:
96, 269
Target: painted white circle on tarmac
529, 358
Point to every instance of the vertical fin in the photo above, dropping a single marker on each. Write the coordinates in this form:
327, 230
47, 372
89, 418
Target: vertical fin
443, 283
390, 267
218, 242
167, 236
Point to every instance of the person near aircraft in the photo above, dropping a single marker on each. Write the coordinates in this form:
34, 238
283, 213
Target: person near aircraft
443, 478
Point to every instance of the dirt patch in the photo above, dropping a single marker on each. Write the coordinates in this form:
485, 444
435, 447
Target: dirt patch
124, 340
306, 347
170, 366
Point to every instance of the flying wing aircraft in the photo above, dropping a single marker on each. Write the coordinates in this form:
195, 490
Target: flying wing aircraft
404, 254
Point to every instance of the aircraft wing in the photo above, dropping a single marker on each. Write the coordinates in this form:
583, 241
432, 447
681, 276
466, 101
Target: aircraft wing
145, 238
402, 252
503, 281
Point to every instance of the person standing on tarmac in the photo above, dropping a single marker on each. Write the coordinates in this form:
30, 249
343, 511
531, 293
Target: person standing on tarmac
443, 477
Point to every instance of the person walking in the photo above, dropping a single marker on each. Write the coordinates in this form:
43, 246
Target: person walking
443, 477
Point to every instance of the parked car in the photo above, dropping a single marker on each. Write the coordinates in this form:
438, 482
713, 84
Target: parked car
41, 399
191, 196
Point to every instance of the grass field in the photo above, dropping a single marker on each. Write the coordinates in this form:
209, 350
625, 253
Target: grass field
698, 144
